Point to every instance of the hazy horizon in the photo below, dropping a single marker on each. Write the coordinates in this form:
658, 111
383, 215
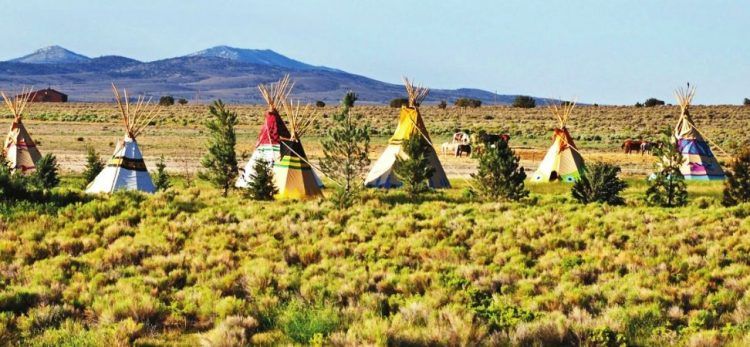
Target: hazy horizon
610, 53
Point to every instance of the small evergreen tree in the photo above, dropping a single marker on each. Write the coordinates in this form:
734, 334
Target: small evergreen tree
746, 102
320, 103
182, 101
162, 178
414, 171
261, 185
13, 185
221, 160
599, 183
523, 101
345, 152
349, 99
737, 185
45, 175
667, 187
442, 105
499, 175
94, 164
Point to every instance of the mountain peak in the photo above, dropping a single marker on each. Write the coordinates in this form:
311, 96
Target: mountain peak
52, 55
253, 56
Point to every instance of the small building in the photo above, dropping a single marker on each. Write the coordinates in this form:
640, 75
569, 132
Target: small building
47, 95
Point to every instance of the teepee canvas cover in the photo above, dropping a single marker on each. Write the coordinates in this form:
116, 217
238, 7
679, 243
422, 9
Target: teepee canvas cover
126, 169
268, 146
292, 174
700, 163
20, 150
562, 161
410, 124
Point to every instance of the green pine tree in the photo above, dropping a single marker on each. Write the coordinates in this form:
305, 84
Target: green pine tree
499, 175
415, 170
599, 183
261, 186
667, 188
737, 185
221, 160
94, 164
162, 178
45, 176
345, 152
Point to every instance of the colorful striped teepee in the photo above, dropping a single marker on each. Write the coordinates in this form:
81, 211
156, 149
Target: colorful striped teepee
700, 163
293, 175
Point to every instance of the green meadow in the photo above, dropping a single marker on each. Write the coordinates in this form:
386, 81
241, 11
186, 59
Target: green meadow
189, 267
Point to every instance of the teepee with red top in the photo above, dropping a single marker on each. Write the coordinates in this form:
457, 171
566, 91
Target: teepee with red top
273, 131
20, 150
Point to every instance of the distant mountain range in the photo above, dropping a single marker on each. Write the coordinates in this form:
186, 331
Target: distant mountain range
229, 73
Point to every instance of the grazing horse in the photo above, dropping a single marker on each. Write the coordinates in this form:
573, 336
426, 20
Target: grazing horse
463, 148
492, 139
647, 147
461, 137
631, 145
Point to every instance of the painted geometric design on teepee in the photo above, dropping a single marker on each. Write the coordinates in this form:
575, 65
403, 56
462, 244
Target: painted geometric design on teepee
700, 162
19, 149
410, 124
126, 170
562, 161
268, 145
293, 175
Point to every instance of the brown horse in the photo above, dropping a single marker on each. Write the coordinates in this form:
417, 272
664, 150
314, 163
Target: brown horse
631, 145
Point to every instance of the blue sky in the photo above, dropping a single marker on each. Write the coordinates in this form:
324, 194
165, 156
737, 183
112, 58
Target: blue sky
610, 52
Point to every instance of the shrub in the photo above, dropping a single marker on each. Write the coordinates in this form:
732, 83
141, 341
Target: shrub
233, 331
414, 171
737, 185
599, 183
638, 105
746, 102
398, 102
45, 176
166, 100
523, 101
468, 102
161, 179
442, 105
261, 186
182, 101
94, 164
667, 186
651, 102
499, 175
302, 323
221, 160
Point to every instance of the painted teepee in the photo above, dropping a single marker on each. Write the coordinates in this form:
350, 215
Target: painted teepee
410, 124
292, 174
700, 163
562, 161
273, 131
20, 150
126, 170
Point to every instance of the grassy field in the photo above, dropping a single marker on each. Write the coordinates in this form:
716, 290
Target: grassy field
187, 266
65, 129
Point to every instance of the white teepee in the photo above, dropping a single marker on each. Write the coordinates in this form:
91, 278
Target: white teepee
127, 170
